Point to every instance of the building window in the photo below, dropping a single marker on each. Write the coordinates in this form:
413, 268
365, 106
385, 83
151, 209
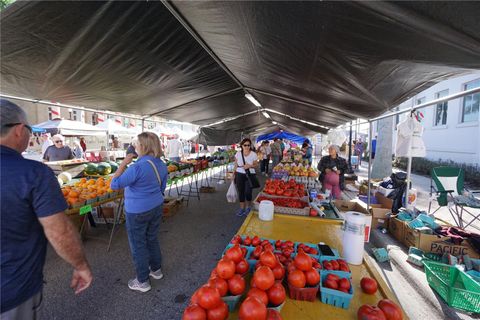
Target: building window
471, 103
75, 115
50, 117
441, 109
421, 100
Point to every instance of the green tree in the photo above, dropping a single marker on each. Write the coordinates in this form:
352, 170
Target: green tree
5, 3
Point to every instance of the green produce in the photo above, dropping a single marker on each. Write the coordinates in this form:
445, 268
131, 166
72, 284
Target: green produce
104, 168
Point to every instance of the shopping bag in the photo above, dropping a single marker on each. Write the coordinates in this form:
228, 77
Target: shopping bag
252, 180
232, 196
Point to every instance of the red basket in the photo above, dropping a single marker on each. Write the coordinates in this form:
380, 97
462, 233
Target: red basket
303, 294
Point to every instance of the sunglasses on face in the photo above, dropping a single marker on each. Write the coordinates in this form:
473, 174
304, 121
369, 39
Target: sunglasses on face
9, 125
58, 141
246, 145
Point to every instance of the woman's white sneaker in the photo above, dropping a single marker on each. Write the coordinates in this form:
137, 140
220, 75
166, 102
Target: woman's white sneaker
157, 275
134, 284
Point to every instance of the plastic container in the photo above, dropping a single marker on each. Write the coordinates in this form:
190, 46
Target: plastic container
303, 294
456, 287
265, 210
333, 297
232, 301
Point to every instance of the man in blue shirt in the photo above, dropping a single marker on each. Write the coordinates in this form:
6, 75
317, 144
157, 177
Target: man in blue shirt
32, 208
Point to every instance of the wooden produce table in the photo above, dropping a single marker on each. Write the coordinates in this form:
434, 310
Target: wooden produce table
314, 230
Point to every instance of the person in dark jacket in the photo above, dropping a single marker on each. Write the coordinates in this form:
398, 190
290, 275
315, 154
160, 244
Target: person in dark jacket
332, 170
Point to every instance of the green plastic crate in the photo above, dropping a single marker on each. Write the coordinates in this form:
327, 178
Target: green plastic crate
457, 288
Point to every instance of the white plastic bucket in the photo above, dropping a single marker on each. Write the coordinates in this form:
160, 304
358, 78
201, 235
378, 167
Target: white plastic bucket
265, 210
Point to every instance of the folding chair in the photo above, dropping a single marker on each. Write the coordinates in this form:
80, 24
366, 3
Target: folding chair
449, 191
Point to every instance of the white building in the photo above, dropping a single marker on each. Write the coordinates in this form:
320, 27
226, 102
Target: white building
452, 130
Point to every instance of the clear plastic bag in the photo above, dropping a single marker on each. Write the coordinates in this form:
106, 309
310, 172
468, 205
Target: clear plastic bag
232, 195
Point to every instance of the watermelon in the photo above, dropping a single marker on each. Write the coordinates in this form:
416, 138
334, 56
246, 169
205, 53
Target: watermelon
104, 168
91, 169
114, 166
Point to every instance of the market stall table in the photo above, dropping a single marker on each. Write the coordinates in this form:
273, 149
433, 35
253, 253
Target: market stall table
76, 213
313, 230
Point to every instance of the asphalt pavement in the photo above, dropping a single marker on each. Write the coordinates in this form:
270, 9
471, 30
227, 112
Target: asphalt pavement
191, 241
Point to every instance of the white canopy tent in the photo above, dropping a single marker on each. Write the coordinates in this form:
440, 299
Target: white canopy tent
71, 128
114, 128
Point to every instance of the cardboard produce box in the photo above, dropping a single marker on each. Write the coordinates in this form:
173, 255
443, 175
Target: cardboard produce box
437, 244
170, 207
378, 223
384, 201
356, 206
396, 228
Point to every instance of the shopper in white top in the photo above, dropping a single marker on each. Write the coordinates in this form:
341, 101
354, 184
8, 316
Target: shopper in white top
240, 176
174, 149
265, 150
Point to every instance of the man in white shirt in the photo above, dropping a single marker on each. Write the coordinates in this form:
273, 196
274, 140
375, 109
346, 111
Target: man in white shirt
174, 149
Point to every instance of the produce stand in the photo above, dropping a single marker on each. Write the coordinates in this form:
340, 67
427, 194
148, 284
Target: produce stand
313, 230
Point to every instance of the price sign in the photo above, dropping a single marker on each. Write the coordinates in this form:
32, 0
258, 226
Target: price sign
85, 209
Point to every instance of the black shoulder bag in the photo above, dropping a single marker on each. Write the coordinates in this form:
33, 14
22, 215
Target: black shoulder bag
251, 177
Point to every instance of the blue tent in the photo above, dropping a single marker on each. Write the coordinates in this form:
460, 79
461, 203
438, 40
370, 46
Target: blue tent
38, 130
282, 135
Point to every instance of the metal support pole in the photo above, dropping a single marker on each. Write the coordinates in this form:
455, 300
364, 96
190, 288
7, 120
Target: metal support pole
350, 150
369, 162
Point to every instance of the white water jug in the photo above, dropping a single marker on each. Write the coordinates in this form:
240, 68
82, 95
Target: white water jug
354, 237
265, 210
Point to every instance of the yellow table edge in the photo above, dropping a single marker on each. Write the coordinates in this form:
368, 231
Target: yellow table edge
385, 290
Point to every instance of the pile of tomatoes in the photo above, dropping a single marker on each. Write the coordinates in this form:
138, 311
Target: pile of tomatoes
266, 289
335, 282
301, 273
227, 279
285, 202
336, 265
285, 189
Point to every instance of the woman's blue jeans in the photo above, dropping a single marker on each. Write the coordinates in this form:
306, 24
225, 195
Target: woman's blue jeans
142, 229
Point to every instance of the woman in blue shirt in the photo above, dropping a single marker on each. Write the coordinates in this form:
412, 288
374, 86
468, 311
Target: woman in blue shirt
144, 182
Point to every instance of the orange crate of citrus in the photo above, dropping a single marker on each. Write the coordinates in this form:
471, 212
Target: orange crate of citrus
83, 190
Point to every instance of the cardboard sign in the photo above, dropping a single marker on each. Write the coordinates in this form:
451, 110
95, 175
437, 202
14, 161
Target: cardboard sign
85, 209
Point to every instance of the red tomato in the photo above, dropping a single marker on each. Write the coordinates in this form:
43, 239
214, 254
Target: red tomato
195, 298
335, 264
369, 285
264, 242
256, 253
344, 268
259, 294
367, 312
247, 241
278, 243
276, 294
268, 259
327, 265
242, 267
333, 277
208, 298
234, 253
302, 261
289, 243
278, 272
194, 312
225, 268
218, 313
391, 310
214, 273
220, 284
313, 251
312, 276
273, 315
344, 284
255, 241
297, 279
291, 267
244, 252
331, 284
264, 278
236, 285
252, 309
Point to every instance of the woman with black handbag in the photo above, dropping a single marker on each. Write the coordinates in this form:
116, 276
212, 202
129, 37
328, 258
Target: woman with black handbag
245, 178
